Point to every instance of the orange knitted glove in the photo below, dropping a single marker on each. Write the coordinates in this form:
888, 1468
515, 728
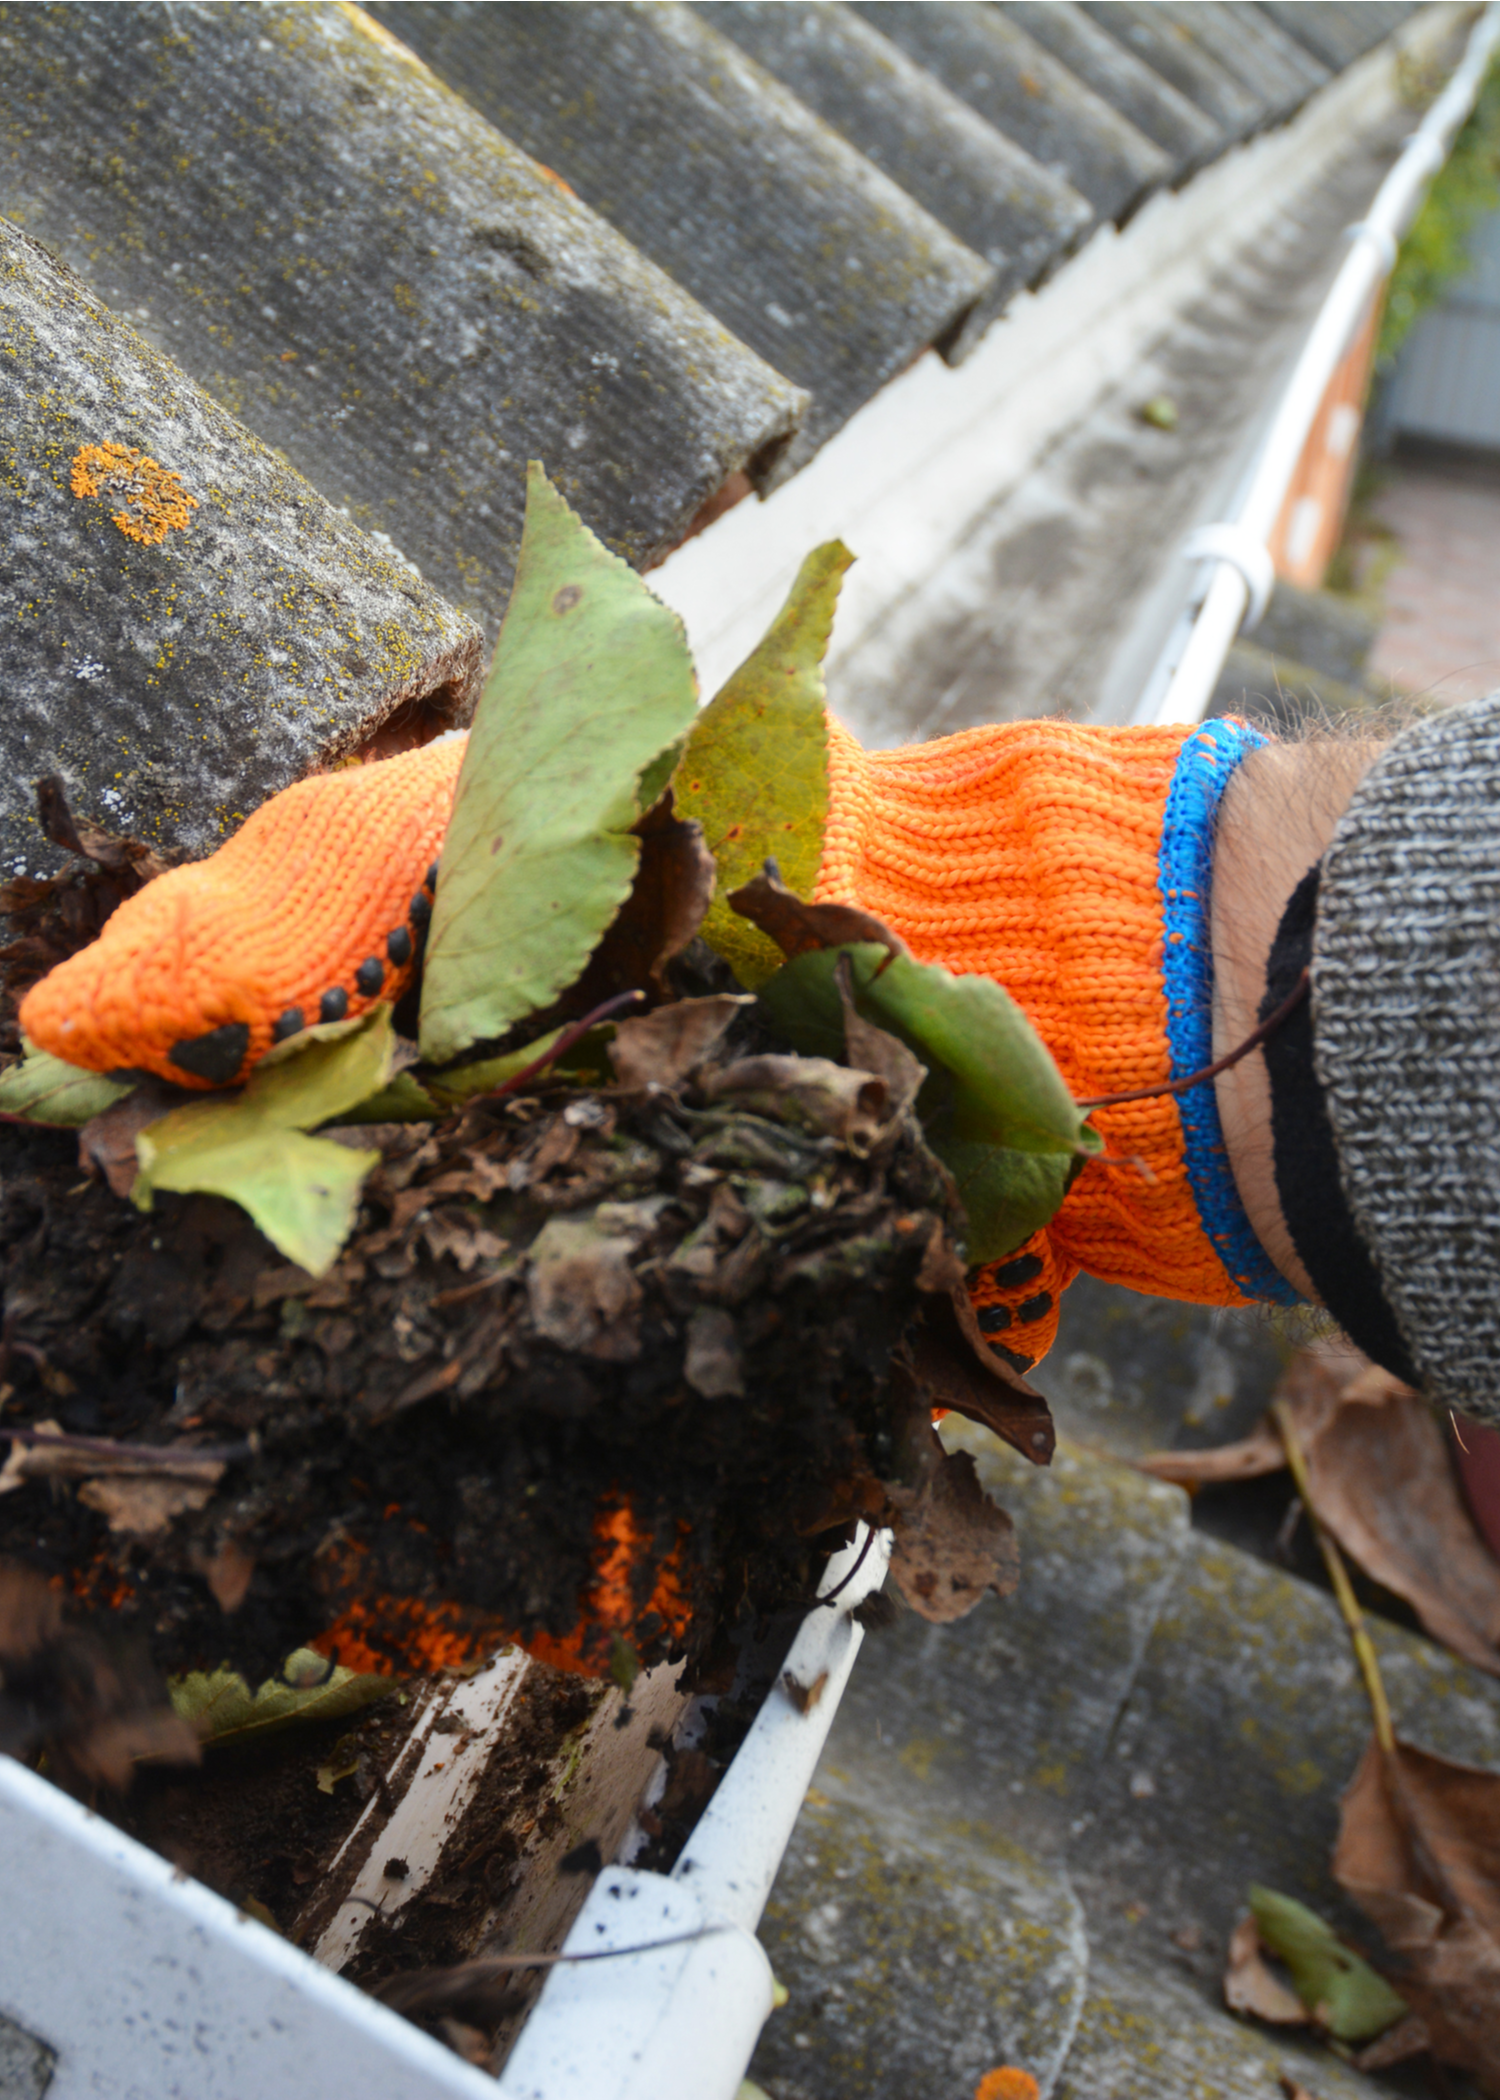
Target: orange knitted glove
316, 908
1031, 852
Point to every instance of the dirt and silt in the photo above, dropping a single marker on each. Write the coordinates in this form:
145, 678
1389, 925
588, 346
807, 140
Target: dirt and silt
608, 1368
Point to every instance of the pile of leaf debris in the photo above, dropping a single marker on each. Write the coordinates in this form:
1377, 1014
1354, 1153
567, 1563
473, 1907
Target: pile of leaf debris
591, 1296
684, 1296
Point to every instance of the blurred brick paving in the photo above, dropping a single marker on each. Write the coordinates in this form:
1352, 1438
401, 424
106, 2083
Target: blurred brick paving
1441, 630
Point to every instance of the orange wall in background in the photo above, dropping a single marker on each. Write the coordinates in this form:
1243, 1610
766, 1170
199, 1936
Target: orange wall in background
1312, 517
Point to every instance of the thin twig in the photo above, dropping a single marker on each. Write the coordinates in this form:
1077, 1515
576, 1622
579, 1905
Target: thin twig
1252, 1041
148, 1456
1343, 1589
560, 1048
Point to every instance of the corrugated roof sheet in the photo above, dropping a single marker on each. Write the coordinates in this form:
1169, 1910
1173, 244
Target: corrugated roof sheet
713, 169
177, 661
390, 291
370, 276
1126, 82
1179, 58
990, 62
1248, 44
1022, 218
1338, 33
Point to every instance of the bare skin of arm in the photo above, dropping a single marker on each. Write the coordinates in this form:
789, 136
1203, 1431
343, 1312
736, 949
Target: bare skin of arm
1278, 815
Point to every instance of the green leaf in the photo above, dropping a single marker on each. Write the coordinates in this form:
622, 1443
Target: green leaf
995, 1108
1006, 1195
592, 680
403, 1100
755, 771
302, 1192
45, 1090
222, 1707
1002, 1086
1343, 1993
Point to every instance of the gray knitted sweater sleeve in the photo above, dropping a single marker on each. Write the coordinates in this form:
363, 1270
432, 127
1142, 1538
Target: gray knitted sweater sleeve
1406, 1027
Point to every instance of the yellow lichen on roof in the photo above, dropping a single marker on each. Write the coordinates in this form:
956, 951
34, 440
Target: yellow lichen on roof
156, 502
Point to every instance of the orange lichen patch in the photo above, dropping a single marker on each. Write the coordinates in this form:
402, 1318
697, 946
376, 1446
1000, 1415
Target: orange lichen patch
156, 502
1007, 2083
553, 177
314, 910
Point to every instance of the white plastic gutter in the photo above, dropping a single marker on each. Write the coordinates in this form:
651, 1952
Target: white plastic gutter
681, 2022
1237, 574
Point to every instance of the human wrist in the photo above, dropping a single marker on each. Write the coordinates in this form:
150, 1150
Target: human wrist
1276, 820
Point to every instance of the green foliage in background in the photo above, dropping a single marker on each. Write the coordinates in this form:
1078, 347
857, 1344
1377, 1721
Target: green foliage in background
1436, 250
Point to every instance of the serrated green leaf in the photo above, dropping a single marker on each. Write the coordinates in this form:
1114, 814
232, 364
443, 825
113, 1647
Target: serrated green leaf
755, 770
592, 680
222, 1707
45, 1090
303, 1192
995, 1108
1343, 1993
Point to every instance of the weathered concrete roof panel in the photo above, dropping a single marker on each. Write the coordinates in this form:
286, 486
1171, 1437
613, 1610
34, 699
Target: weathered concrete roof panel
1020, 88
1019, 216
1152, 104
1249, 46
176, 649
1337, 33
1186, 65
355, 263
712, 168
1283, 51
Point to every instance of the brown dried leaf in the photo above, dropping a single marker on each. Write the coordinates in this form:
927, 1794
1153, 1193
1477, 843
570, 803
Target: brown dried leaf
713, 1364
135, 1508
119, 855
811, 1093
1260, 1452
1250, 1986
106, 1143
228, 1573
872, 1049
953, 1365
1419, 1852
673, 888
662, 1048
952, 1542
948, 1375
1408, 2038
798, 928
1313, 1386
582, 1291
1383, 1483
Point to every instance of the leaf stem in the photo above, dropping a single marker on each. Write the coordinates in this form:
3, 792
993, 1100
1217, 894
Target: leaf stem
1252, 1041
560, 1048
1343, 1589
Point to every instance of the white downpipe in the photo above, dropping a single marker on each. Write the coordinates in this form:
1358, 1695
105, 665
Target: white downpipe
1188, 668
